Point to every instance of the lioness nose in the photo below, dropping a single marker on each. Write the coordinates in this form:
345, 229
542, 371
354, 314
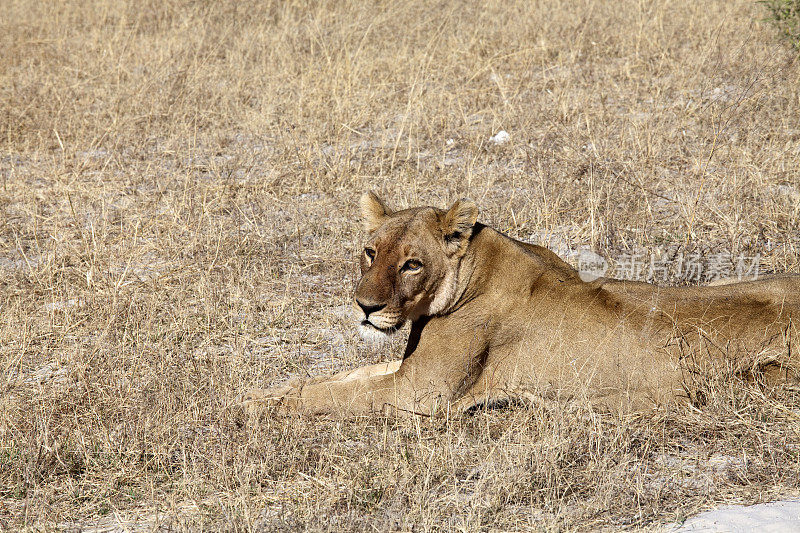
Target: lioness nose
369, 309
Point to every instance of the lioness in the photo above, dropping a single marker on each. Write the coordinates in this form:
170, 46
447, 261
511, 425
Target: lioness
493, 318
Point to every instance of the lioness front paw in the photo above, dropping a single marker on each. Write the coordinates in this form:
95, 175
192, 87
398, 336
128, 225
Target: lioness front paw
282, 398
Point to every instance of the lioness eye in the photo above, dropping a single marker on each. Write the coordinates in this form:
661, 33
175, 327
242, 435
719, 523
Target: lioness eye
370, 254
412, 265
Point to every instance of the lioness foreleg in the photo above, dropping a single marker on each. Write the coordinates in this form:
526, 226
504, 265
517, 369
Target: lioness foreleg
372, 389
289, 395
443, 366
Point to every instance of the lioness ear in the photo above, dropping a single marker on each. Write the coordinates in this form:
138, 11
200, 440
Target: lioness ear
373, 212
458, 223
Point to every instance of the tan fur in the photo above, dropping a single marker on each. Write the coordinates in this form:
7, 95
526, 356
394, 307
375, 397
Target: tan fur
495, 318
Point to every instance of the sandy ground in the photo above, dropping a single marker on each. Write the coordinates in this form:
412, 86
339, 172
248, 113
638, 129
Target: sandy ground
782, 516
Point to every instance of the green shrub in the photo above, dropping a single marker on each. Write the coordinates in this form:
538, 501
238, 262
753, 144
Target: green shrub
785, 14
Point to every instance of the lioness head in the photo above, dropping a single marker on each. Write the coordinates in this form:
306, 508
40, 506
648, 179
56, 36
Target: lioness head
409, 265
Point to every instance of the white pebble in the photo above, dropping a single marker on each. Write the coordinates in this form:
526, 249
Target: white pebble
500, 137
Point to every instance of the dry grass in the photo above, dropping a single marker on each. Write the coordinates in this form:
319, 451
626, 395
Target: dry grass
179, 183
